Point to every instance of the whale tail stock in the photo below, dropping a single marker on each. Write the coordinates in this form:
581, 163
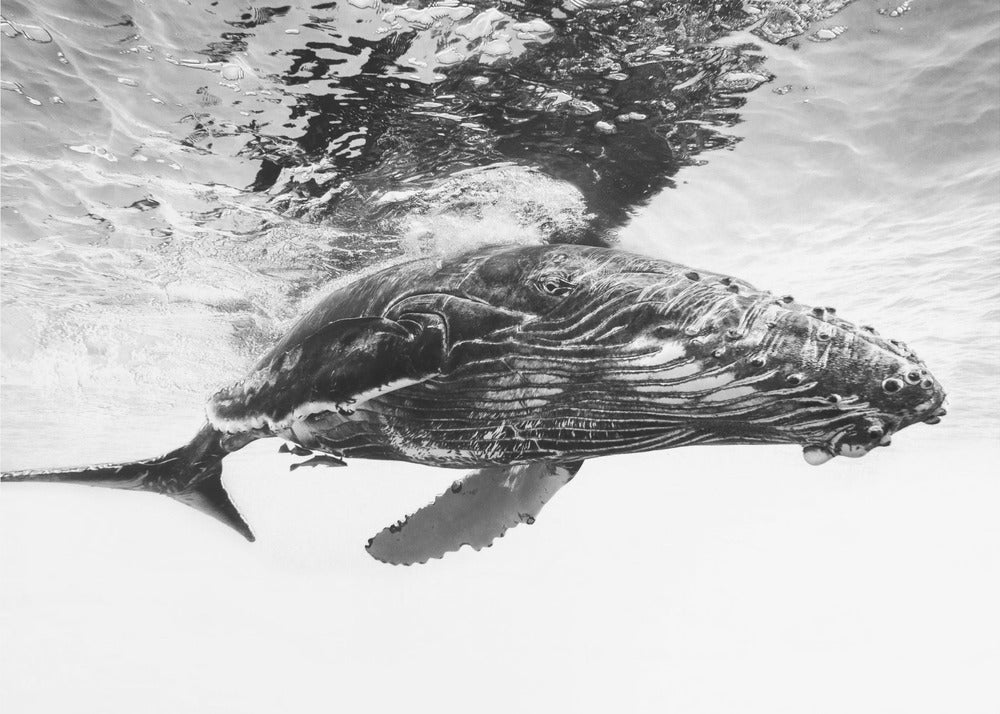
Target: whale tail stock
191, 474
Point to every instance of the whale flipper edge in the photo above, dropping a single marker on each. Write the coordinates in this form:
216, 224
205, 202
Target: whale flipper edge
475, 511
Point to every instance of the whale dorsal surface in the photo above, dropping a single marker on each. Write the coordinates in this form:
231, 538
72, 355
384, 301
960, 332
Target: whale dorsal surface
474, 511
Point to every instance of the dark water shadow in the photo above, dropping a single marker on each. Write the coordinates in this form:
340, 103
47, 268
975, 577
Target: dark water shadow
612, 97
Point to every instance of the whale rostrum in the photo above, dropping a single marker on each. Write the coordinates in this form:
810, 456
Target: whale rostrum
522, 362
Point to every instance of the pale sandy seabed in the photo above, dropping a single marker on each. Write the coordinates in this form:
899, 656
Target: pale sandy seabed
712, 579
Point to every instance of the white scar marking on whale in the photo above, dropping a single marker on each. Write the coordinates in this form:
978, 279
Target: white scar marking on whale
304, 411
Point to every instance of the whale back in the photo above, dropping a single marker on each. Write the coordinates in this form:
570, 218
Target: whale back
366, 296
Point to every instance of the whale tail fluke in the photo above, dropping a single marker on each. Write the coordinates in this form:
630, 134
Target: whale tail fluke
191, 474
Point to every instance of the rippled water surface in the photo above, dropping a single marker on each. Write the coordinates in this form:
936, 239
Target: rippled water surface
180, 178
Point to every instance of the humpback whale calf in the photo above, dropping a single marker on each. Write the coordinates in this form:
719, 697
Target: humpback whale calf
521, 363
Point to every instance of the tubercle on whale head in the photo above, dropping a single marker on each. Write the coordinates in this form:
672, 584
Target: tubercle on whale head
881, 385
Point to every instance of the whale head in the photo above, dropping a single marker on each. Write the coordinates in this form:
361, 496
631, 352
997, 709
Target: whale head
874, 386
638, 354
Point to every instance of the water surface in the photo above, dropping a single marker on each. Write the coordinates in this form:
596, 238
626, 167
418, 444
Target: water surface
179, 180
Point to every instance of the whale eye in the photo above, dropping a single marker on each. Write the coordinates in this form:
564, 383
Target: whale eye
892, 385
555, 285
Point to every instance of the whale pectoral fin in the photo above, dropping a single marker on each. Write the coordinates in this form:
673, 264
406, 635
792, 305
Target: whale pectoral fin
474, 511
333, 368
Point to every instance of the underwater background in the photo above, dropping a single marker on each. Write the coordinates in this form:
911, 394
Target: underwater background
181, 179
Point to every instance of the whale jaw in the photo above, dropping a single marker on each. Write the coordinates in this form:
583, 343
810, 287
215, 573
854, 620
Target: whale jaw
817, 454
